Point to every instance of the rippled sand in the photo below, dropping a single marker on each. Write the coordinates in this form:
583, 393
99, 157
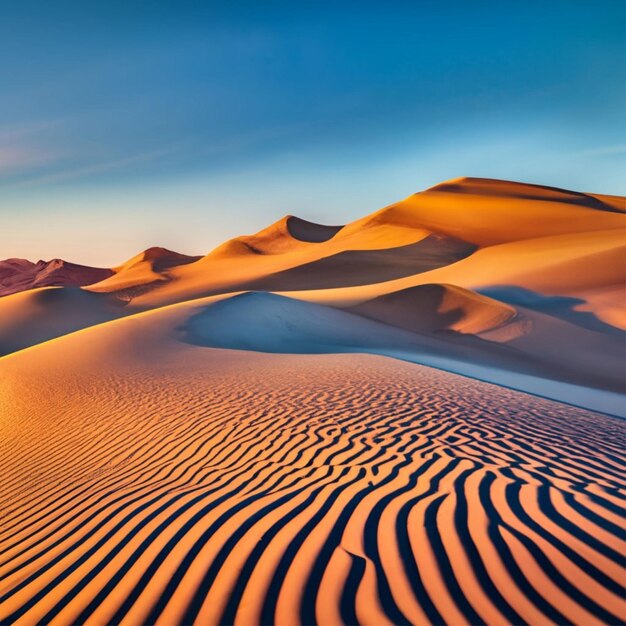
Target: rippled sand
228, 487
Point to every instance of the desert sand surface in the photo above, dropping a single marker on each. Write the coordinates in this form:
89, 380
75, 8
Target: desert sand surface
149, 479
414, 418
513, 283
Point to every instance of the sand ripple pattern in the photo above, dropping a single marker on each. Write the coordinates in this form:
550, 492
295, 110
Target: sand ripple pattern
262, 489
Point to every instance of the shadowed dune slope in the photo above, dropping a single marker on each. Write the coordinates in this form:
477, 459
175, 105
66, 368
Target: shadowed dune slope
432, 308
37, 315
19, 275
364, 267
177, 484
310, 232
570, 344
590, 266
590, 371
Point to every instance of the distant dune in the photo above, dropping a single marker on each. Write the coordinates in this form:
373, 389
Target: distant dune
19, 274
414, 418
142, 273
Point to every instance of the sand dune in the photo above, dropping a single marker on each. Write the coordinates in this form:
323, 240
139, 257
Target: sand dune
183, 484
590, 372
37, 315
19, 275
507, 189
320, 424
491, 212
346, 269
142, 272
487, 233
576, 265
433, 308
442, 264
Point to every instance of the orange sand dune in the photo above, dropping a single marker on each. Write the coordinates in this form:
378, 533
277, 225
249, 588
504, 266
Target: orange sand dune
521, 278
580, 265
142, 272
164, 482
487, 232
278, 258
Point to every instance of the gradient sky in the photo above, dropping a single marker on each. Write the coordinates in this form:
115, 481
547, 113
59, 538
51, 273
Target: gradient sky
130, 124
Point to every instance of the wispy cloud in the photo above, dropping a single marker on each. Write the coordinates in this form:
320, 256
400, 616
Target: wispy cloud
603, 151
16, 158
23, 129
87, 170
28, 146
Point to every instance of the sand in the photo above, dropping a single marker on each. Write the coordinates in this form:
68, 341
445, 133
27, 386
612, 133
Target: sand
184, 484
20, 274
410, 419
525, 282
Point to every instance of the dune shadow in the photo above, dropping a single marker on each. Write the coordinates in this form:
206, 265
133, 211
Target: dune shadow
266, 322
303, 230
352, 268
416, 309
560, 307
568, 197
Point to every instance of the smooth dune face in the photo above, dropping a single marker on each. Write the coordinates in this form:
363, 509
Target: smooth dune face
37, 315
179, 484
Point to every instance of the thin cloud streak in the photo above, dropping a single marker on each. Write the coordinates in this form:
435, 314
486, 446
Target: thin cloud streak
602, 151
96, 168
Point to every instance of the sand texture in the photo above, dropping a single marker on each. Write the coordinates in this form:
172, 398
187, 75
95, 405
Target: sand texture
415, 418
193, 485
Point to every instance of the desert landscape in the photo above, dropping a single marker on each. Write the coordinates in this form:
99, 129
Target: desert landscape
413, 418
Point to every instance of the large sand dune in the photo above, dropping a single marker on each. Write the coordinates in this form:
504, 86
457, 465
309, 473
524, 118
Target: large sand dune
470, 232
537, 274
37, 315
184, 484
326, 424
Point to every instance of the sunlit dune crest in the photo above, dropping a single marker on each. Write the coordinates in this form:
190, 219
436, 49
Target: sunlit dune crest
142, 272
414, 418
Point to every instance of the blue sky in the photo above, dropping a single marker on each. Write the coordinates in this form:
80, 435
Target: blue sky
125, 124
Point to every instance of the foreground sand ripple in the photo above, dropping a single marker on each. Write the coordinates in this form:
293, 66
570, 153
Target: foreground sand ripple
228, 487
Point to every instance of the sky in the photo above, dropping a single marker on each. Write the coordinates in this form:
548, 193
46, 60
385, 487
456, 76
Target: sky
125, 125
